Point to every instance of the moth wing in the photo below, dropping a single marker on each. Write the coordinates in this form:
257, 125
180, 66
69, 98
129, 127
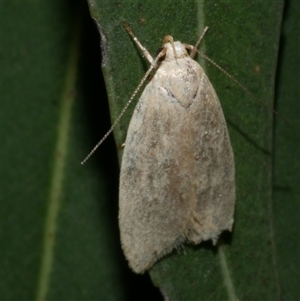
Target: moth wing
214, 168
177, 175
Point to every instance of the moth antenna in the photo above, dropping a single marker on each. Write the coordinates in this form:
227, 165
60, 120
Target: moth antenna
239, 84
146, 53
194, 50
126, 106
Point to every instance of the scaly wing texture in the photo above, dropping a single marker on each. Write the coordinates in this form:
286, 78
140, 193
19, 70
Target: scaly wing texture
177, 174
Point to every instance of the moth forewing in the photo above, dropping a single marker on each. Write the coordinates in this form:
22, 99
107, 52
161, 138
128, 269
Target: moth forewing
177, 173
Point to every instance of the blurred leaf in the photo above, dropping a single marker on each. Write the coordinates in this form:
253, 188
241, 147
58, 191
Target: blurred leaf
60, 237
45, 45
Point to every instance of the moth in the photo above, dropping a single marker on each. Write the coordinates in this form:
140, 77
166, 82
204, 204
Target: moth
177, 179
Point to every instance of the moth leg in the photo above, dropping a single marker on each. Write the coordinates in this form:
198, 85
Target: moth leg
121, 146
146, 53
194, 48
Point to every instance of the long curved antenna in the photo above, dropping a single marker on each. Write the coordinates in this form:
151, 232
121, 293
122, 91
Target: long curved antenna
126, 106
192, 48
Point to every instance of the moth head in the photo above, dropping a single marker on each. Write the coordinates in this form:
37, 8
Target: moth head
174, 50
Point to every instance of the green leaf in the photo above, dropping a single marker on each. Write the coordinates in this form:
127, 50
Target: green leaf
244, 39
59, 220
